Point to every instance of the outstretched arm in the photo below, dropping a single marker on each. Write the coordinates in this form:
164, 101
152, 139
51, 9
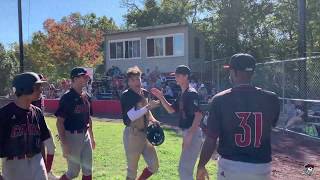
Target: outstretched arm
156, 92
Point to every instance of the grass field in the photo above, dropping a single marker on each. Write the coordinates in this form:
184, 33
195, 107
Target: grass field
109, 158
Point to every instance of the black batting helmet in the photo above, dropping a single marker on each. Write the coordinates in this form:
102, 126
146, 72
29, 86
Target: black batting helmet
155, 134
23, 83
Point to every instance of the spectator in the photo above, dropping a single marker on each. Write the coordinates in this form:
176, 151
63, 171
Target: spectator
213, 91
148, 72
290, 110
158, 83
145, 84
298, 117
163, 78
52, 92
168, 93
203, 93
193, 84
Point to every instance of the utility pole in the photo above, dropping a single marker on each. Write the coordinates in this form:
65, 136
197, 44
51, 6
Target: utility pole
302, 49
20, 37
302, 28
302, 52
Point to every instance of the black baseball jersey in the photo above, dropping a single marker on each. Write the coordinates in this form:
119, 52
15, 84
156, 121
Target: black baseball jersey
22, 131
75, 109
130, 99
186, 105
243, 118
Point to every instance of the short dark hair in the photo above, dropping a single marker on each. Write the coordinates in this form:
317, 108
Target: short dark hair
133, 71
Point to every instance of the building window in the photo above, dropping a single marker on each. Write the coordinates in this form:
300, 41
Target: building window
150, 47
132, 49
158, 46
171, 45
113, 51
119, 50
196, 47
125, 49
178, 45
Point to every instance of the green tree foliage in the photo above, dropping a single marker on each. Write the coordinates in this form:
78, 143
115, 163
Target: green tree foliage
265, 28
8, 67
161, 12
76, 40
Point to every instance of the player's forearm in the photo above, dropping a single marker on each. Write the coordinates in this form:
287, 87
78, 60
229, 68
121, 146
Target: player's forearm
166, 105
208, 148
91, 129
61, 130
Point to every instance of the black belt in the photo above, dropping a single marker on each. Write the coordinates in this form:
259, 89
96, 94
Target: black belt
24, 156
78, 131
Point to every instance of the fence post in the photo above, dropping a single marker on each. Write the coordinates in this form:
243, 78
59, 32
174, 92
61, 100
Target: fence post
283, 84
212, 74
218, 76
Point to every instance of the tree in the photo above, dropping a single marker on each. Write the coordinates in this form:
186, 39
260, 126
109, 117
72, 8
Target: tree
8, 68
74, 41
161, 12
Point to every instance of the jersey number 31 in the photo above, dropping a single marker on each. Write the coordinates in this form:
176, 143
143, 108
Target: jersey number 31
244, 139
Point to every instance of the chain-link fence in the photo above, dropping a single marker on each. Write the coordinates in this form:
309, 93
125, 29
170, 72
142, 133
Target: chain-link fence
294, 78
213, 74
296, 82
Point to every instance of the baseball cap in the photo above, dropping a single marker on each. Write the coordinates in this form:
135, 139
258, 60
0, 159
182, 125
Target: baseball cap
183, 69
242, 62
77, 71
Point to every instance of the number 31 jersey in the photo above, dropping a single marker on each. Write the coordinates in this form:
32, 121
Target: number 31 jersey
243, 117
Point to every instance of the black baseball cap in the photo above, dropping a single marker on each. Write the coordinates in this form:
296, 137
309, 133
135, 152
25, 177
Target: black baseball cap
242, 62
77, 71
183, 69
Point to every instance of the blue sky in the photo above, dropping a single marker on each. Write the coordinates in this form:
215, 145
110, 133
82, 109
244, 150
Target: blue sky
35, 12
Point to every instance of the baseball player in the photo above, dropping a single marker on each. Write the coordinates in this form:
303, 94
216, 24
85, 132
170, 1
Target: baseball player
136, 116
49, 143
23, 131
242, 117
75, 127
187, 104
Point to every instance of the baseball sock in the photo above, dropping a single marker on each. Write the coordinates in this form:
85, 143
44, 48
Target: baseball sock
49, 161
145, 174
64, 177
86, 177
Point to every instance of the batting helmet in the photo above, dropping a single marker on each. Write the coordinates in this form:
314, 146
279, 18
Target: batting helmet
155, 134
24, 83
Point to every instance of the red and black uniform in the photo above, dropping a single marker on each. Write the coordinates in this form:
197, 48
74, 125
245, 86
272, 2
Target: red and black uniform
186, 105
22, 131
242, 117
130, 99
76, 111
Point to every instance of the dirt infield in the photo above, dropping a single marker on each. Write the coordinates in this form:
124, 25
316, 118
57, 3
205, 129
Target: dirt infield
291, 152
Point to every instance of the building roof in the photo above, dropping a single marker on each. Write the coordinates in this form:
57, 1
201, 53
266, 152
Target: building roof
162, 26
